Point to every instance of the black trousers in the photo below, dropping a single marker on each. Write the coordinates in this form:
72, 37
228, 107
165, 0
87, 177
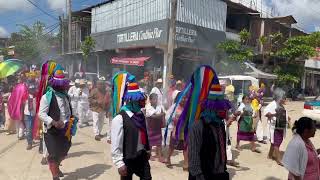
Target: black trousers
140, 167
220, 176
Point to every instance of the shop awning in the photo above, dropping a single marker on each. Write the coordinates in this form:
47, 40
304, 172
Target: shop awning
312, 63
130, 61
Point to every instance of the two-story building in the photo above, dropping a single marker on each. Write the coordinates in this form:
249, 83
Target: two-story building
133, 34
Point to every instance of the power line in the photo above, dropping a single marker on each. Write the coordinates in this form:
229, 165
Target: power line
35, 5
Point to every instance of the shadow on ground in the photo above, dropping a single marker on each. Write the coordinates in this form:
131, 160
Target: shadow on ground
272, 178
81, 153
248, 146
77, 143
87, 173
232, 171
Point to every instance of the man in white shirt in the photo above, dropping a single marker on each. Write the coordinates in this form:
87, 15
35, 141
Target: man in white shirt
130, 145
83, 104
74, 95
158, 90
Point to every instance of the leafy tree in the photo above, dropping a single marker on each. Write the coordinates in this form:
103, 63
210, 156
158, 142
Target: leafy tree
263, 40
32, 42
87, 46
296, 48
245, 35
237, 51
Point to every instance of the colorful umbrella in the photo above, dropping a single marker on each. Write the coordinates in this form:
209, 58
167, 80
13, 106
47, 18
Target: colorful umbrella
9, 67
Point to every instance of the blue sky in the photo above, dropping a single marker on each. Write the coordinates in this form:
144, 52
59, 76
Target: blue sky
22, 12
13, 12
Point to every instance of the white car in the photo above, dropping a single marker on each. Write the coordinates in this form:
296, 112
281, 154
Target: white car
312, 109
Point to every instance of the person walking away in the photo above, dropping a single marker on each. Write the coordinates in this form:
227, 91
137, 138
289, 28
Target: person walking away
129, 138
155, 121
56, 112
207, 136
277, 122
158, 90
74, 95
108, 109
83, 104
16, 102
98, 105
177, 143
301, 158
245, 124
29, 115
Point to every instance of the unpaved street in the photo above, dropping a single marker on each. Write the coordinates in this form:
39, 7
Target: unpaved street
89, 159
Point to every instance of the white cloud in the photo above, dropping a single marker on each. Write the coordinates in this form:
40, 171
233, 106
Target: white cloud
9, 5
57, 4
306, 12
3, 32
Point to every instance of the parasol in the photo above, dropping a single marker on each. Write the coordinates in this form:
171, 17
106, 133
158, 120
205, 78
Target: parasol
9, 67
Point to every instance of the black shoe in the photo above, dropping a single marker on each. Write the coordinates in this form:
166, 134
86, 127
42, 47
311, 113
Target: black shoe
87, 124
97, 138
44, 161
29, 147
60, 173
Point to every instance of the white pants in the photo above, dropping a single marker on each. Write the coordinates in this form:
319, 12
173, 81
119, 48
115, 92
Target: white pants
20, 128
259, 131
83, 113
44, 149
228, 146
74, 108
98, 120
109, 130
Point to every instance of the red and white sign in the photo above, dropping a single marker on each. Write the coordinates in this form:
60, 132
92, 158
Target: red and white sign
132, 61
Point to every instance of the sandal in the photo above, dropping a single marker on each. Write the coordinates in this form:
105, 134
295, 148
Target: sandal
279, 163
256, 151
233, 164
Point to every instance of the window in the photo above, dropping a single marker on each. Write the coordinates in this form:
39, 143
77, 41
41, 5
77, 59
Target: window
238, 88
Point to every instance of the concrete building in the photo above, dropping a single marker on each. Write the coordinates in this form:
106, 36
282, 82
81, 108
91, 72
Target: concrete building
133, 34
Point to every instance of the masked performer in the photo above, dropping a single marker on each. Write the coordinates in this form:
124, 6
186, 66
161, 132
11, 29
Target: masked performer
56, 113
202, 123
130, 145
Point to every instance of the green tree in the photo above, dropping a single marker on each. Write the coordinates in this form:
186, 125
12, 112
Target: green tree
245, 35
87, 46
236, 51
263, 41
290, 55
32, 43
296, 48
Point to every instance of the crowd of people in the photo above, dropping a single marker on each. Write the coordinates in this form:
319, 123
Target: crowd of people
147, 122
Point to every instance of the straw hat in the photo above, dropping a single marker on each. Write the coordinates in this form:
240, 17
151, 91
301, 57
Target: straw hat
82, 82
159, 81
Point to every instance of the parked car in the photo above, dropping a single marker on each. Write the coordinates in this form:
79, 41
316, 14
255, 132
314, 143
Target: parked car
241, 84
312, 109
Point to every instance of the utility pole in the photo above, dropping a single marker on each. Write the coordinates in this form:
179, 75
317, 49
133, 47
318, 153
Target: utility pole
168, 59
62, 33
69, 26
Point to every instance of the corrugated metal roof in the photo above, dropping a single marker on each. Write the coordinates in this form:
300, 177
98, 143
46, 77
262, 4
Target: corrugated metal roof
96, 5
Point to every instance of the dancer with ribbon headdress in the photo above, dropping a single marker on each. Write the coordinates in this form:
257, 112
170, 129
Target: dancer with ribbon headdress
202, 123
56, 112
129, 138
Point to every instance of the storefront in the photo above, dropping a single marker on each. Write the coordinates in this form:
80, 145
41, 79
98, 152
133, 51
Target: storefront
142, 48
311, 78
